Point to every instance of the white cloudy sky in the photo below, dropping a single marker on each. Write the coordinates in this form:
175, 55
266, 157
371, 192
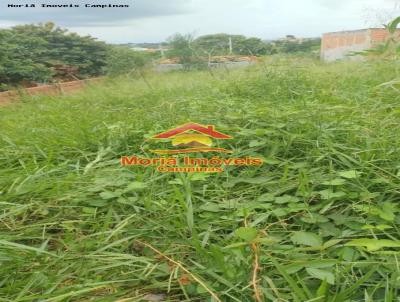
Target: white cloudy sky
155, 20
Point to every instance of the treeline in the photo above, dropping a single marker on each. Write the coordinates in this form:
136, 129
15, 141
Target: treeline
192, 50
40, 53
292, 45
45, 53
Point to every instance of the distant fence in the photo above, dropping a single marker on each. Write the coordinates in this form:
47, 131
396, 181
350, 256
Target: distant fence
10, 96
228, 65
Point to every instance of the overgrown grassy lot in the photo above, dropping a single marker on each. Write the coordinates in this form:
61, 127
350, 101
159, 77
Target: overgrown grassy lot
319, 221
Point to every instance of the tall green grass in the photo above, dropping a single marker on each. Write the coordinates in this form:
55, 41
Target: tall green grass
321, 214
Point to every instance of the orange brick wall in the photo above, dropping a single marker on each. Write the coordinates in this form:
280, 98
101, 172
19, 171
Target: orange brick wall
8, 97
381, 35
335, 40
346, 44
348, 38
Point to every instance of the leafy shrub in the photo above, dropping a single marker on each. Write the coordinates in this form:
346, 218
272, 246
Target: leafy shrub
33, 53
123, 60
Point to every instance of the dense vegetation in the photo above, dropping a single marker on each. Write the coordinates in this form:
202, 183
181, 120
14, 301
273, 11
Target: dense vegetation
40, 53
222, 44
191, 50
45, 53
293, 46
320, 218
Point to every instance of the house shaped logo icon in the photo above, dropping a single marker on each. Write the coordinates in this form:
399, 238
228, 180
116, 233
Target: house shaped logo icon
192, 137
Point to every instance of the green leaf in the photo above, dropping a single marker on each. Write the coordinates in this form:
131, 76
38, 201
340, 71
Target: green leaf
88, 210
323, 289
176, 181
319, 263
108, 195
387, 212
331, 243
127, 201
392, 26
199, 176
334, 182
255, 143
314, 218
323, 275
299, 294
344, 294
306, 238
136, 185
348, 253
373, 244
211, 207
382, 227
329, 194
18, 246
350, 174
280, 212
266, 197
286, 199
272, 161
293, 268
98, 203
249, 180
246, 233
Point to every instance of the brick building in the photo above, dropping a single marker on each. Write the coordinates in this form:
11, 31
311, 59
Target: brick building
337, 45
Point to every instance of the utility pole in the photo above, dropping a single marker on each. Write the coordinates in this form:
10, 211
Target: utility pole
230, 46
162, 51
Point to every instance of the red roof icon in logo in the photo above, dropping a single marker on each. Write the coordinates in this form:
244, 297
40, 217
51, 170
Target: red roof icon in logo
206, 130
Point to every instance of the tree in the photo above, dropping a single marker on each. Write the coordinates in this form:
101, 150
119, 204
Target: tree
250, 46
20, 58
123, 60
294, 46
218, 44
36, 53
181, 48
64, 48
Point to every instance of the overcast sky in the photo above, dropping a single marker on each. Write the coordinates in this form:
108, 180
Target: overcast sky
155, 20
